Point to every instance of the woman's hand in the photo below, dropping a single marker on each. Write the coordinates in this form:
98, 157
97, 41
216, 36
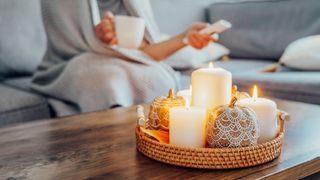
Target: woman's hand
162, 50
196, 39
105, 30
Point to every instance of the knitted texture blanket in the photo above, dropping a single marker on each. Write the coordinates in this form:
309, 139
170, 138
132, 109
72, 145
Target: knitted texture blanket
86, 74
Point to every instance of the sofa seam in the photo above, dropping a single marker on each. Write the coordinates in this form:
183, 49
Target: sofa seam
25, 108
282, 91
246, 1
35, 117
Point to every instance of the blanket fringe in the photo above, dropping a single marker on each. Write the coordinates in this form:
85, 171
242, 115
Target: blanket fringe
272, 68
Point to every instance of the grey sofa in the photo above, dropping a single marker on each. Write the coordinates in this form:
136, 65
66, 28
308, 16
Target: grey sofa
22, 45
262, 29
253, 45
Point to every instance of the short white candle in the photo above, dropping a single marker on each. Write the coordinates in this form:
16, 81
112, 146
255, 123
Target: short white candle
211, 87
266, 111
187, 126
186, 94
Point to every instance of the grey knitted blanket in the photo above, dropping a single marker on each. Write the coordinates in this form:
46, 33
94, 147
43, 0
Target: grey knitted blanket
87, 75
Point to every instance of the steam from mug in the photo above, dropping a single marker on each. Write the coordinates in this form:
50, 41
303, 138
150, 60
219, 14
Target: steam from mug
129, 31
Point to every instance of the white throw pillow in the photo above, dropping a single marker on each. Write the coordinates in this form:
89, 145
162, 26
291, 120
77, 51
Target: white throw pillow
189, 57
303, 54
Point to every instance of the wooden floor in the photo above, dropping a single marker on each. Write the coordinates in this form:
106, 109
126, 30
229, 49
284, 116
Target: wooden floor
101, 145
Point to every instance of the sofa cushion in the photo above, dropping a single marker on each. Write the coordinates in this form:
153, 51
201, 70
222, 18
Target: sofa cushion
243, 65
22, 83
22, 37
263, 29
234, 66
57, 107
174, 16
293, 85
19, 106
303, 54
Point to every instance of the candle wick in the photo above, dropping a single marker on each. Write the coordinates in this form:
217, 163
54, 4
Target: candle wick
210, 65
254, 99
187, 105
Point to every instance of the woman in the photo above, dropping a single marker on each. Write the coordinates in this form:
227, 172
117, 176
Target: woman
81, 68
158, 51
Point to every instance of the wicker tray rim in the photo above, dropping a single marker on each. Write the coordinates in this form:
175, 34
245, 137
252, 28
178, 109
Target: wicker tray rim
208, 149
212, 158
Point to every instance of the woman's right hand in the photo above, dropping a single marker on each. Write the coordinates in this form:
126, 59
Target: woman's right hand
196, 39
105, 30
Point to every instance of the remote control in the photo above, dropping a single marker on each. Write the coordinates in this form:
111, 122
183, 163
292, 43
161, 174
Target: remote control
217, 27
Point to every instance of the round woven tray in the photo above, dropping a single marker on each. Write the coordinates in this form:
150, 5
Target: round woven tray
210, 158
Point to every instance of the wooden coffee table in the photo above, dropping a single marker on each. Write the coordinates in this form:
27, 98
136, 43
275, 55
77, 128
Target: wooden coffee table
101, 145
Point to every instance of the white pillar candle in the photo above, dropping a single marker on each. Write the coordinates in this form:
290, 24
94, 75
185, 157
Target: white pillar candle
266, 111
186, 94
187, 126
211, 87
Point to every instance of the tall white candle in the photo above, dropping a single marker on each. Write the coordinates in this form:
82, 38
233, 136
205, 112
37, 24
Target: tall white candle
187, 126
211, 87
186, 94
266, 111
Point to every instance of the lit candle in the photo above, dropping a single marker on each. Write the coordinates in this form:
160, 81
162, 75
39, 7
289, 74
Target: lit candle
211, 87
186, 94
187, 126
266, 111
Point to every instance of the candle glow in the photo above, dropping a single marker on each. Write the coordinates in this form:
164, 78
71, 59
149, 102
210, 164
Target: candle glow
210, 65
266, 112
255, 93
187, 105
211, 87
187, 126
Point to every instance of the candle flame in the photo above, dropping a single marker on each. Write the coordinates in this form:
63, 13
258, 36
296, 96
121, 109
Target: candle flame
187, 104
255, 93
210, 65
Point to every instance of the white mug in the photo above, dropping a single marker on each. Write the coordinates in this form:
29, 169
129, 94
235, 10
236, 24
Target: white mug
129, 31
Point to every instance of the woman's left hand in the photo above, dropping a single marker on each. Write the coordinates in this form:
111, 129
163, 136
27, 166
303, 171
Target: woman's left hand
105, 30
196, 39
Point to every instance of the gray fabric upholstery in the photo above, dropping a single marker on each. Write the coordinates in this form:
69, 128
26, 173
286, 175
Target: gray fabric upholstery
242, 65
234, 66
174, 16
57, 107
263, 29
19, 106
22, 37
22, 83
293, 85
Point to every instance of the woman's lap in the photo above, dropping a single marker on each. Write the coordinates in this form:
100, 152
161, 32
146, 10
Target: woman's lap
95, 82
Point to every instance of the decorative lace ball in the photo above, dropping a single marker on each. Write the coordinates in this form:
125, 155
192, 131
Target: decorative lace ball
232, 126
158, 118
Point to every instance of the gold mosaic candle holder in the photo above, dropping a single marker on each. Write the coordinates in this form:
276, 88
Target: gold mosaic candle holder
158, 118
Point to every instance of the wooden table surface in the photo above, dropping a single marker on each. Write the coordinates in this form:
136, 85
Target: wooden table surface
101, 145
